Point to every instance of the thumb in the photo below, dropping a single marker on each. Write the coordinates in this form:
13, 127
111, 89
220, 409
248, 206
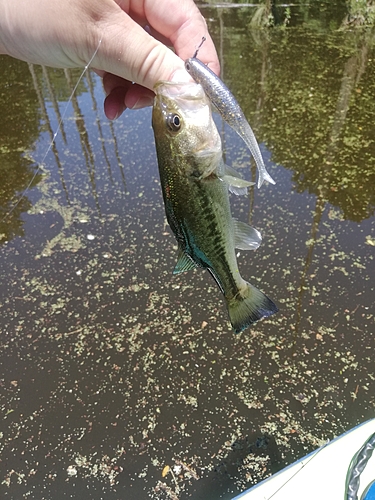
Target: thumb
128, 51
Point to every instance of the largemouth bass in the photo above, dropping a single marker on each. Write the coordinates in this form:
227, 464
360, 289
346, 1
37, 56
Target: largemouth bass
225, 102
195, 184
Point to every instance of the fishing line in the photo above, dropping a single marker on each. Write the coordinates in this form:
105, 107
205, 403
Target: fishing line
55, 134
299, 470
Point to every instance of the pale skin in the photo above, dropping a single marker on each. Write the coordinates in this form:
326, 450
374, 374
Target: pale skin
131, 38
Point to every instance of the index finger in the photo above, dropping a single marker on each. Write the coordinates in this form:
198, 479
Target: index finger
184, 26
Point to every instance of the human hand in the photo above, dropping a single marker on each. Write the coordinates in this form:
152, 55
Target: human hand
130, 58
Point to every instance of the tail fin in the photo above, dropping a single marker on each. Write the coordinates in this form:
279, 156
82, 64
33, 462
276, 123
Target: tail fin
264, 176
248, 306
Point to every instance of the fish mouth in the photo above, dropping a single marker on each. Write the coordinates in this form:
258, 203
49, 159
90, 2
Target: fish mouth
187, 96
184, 90
190, 102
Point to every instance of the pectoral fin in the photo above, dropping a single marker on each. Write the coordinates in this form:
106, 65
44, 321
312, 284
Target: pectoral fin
184, 263
236, 184
245, 236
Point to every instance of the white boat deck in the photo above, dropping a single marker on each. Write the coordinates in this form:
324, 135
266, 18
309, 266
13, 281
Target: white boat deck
321, 474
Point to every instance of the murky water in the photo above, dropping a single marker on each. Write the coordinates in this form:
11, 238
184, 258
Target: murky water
112, 368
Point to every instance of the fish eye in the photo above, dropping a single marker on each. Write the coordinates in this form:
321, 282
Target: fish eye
174, 122
187, 66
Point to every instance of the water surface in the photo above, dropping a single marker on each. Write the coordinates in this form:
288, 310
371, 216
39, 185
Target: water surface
112, 368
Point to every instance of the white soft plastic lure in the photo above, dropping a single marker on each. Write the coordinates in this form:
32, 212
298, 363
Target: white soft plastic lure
225, 103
